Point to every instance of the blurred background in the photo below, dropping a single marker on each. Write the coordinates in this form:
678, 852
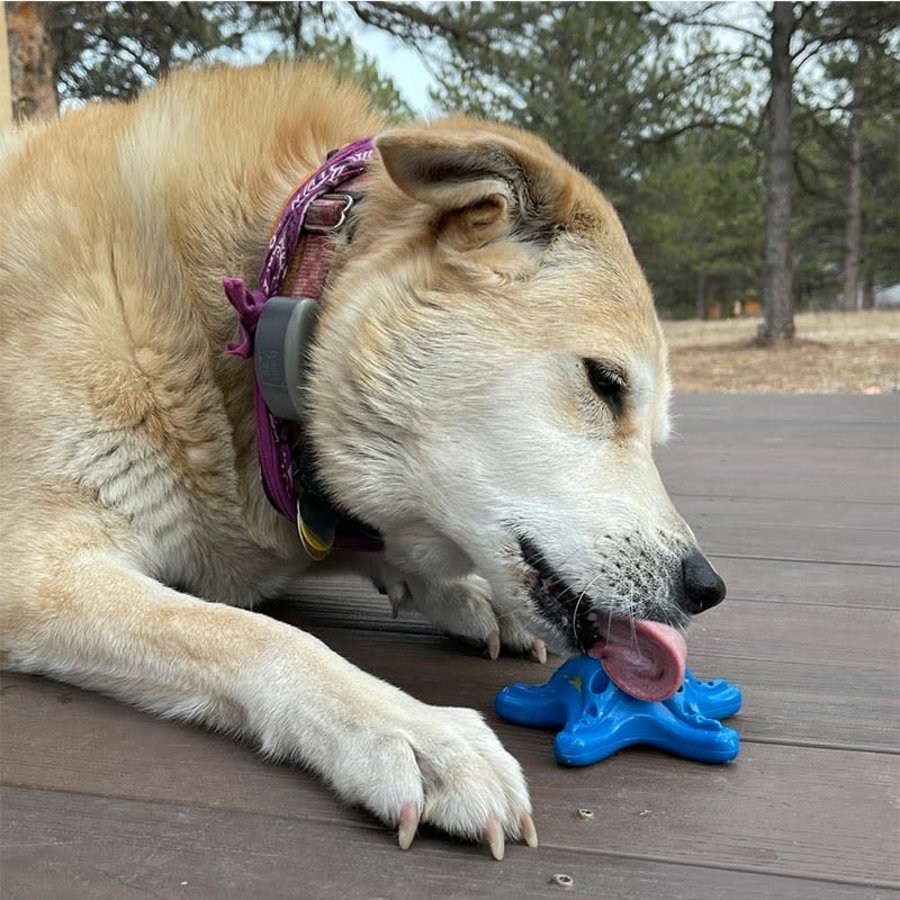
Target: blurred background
750, 148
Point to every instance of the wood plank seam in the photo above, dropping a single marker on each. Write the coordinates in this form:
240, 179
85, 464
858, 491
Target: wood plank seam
726, 867
794, 559
774, 499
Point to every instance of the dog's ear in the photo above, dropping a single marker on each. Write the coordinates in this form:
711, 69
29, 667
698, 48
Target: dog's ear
483, 183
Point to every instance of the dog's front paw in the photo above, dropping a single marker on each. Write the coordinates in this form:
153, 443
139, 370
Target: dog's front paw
447, 769
466, 608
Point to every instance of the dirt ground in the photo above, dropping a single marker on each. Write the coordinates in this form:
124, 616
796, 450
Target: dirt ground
833, 353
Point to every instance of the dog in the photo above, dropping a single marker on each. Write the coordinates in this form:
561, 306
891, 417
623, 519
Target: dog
485, 383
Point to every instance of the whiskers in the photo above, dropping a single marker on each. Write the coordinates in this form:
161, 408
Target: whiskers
625, 609
631, 579
581, 597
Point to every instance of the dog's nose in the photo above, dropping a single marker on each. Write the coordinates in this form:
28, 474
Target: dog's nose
702, 586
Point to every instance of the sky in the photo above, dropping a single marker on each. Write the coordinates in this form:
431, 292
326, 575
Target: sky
399, 62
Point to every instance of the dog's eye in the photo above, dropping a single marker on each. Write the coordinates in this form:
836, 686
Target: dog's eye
607, 383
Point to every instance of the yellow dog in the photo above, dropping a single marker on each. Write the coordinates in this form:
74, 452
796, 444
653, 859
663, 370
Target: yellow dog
486, 379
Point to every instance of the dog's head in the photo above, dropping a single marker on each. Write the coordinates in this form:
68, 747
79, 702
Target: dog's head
490, 378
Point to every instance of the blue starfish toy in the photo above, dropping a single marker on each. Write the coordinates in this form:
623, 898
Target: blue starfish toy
598, 719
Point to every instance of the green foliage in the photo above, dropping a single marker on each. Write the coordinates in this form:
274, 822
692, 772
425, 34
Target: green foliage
661, 105
696, 221
314, 31
664, 110
837, 32
583, 75
361, 68
654, 118
881, 174
112, 50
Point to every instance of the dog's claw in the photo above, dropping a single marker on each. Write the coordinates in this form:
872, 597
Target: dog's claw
529, 832
398, 594
409, 822
539, 648
494, 835
493, 645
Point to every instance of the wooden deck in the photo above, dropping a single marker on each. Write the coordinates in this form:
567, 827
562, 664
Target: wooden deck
796, 501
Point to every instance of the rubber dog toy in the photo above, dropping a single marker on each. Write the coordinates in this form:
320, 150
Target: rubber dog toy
599, 719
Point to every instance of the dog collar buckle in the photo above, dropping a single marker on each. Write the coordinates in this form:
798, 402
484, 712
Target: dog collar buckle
325, 208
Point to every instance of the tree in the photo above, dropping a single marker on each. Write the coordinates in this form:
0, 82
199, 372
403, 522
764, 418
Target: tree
5, 84
857, 35
660, 120
33, 86
110, 51
696, 221
766, 44
778, 310
745, 146
316, 31
786, 39
845, 152
853, 257
591, 79
880, 173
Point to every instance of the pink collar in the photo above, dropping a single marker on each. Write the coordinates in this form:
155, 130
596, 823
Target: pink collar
315, 211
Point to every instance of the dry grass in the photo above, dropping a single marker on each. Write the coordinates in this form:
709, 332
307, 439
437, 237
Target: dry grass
833, 353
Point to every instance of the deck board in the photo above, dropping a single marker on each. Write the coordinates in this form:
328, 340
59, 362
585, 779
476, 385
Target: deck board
836, 476
834, 449
794, 417
814, 583
848, 532
92, 848
795, 499
652, 805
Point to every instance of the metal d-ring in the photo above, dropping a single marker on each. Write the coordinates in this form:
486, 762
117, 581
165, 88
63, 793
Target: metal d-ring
349, 201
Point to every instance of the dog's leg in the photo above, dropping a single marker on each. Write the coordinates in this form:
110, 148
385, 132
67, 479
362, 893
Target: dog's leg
88, 617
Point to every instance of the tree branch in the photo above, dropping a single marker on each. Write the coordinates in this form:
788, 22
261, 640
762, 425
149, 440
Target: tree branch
710, 124
690, 21
400, 20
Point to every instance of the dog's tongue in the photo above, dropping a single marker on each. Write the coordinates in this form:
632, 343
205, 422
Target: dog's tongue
645, 659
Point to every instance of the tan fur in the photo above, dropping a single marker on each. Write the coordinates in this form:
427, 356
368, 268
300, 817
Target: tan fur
128, 466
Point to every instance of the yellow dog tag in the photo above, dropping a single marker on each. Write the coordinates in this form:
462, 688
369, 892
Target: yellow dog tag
315, 526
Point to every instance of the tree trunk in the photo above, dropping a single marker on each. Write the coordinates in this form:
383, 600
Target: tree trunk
31, 62
868, 292
853, 259
701, 294
777, 299
5, 86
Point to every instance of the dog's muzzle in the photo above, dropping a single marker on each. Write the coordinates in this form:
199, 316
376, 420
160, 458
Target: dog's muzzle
646, 659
